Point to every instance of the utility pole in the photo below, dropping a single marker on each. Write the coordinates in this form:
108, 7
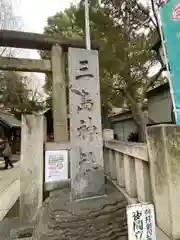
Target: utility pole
87, 26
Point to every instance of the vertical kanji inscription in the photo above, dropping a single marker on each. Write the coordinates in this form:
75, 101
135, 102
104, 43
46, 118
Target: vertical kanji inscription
87, 172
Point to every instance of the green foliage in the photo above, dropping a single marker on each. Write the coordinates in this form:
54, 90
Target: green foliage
70, 23
15, 96
126, 33
125, 58
133, 137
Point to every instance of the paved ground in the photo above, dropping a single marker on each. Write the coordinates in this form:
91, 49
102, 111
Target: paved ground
7, 178
10, 175
15, 158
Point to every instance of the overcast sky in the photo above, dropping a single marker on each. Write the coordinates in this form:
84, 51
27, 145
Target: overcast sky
34, 14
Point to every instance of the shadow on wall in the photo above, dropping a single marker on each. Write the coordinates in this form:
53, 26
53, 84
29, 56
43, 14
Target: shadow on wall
14, 211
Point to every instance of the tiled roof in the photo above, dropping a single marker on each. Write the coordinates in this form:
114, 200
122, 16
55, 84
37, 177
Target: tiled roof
9, 119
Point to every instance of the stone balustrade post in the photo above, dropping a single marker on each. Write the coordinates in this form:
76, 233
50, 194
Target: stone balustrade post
112, 165
164, 155
142, 180
120, 169
130, 176
108, 134
106, 160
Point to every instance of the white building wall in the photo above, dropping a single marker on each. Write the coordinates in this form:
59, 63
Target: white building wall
124, 128
159, 107
159, 110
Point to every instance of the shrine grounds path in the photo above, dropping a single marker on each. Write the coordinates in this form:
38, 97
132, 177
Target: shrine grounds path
9, 186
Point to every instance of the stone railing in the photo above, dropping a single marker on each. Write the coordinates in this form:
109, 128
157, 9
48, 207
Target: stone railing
126, 164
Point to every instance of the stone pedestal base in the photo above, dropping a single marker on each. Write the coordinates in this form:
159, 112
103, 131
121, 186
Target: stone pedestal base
102, 218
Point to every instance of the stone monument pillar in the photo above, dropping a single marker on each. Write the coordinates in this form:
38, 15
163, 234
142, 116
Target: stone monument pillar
98, 216
87, 173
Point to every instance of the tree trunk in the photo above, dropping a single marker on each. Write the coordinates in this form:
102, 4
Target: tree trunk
139, 117
105, 120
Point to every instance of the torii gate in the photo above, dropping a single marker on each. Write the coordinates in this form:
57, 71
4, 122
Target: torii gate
87, 176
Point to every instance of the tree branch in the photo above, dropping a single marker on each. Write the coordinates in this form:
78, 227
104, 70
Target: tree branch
129, 97
126, 94
152, 80
154, 11
145, 11
110, 105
